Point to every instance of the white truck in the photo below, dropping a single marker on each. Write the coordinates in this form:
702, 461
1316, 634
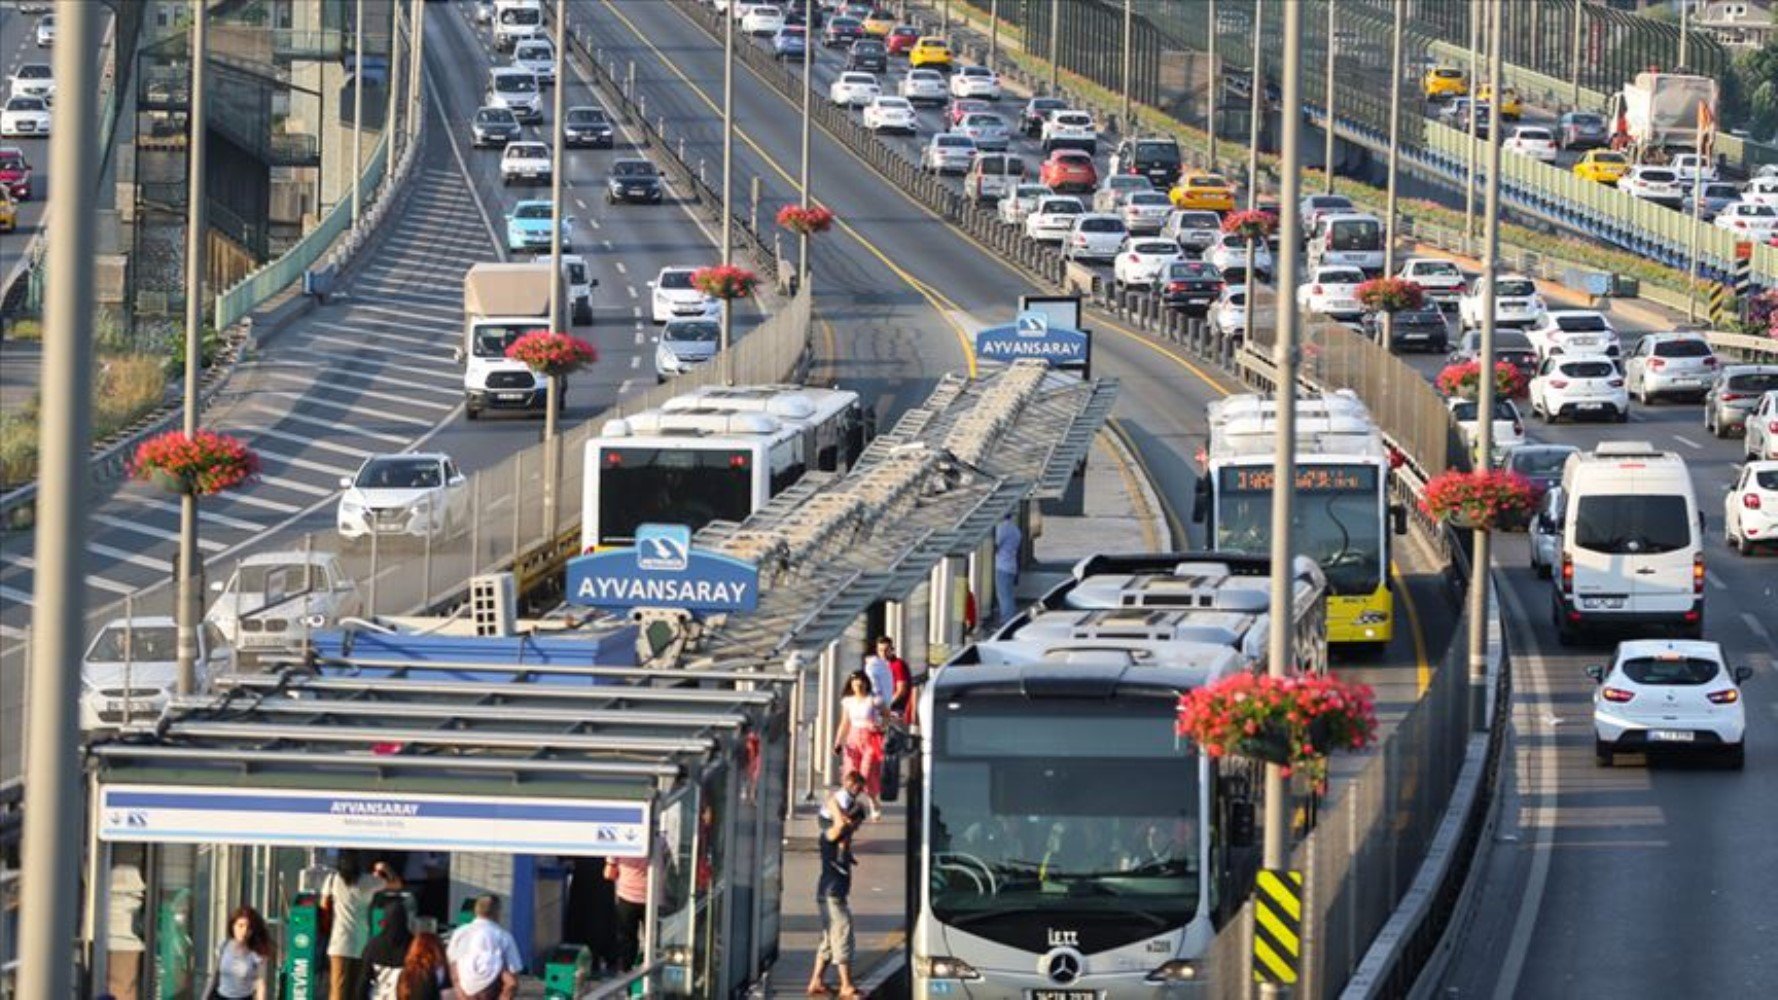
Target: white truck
516, 21
1660, 111
501, 303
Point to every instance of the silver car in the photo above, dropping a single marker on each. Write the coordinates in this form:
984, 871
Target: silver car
685, 344
989, 131
1112, 190
1670, 364
1147, 211
1015, 206
948, 153
1734, 394
1546, 533
1095, 236
1193, 229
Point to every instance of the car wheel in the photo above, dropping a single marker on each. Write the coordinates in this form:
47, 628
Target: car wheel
1743, 546
1623, 415
1735, 759
1602, 754
471, 413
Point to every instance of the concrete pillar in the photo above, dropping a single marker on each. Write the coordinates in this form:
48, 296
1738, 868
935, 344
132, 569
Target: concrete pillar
916, 634
944, 631
826, 708
895, 624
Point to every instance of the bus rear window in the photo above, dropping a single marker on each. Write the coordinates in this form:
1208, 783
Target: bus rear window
671, 486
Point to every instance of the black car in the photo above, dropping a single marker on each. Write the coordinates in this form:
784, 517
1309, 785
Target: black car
1190, 286
1423, 329
633, 180
868, 55
587, 126
1154, 157
842, 31
1036, 110
493, 126
1510, 346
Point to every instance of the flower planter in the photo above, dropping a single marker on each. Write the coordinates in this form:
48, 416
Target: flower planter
552, 354
167, 482
1478, 500
201, 463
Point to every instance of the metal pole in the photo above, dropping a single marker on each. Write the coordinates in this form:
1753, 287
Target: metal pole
1285, 356
1691, 286
802, 239
728, 164
50, 885
416, 68
1129, 60
1478, 582
357, 112
1685, 23
392, 100
1255, 113
1055, 52
994, 35
1212, 85
1400, 8
1475, 41
1332, 49
1574, 54
190, 597
552, 407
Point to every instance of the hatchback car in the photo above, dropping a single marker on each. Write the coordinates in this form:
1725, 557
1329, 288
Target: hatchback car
1441, 280
685, 344
790, 42
1069, 129
868, 55
1574, 385
1750, 510
930, 52
854, 90
1190, 286
46, 31
762, 19
1422, 329
1229, 254
1228, 316
1192, 229
1069, 170
1333, 292
1516, 303
528, 228
15, 173
494, 126
1053, 218
413, 495
634, 180
1509, 427
1534, 141
1662, 696
1574, 331
901, 39
1113, 189
1733, 394
1510, 346
1540, 464
948, 153
841, 32
1670, 364
1141, 260
675, 297
1760, 440
1035, 111
1602, 166
131, 669
1095, 236
1654, 184
1748, 221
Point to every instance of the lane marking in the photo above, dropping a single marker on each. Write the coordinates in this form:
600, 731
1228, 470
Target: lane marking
308, 442
167, 506
162, 534
1757, 628
1541, 801
333, 426
1688, 442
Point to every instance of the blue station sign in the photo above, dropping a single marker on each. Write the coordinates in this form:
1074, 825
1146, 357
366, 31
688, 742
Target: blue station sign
1032, 335
663, 570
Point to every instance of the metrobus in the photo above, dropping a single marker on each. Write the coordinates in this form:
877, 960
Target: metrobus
1068, 843
1343, 519
717, 453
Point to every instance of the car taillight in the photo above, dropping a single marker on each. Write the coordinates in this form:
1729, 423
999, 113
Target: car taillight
1710, 362
1657, 363
1727, 696
1135, 258
1558, 383
1175, 286
1518, 428
1750, 501
1616, 383
1729, 397
1772, 426
1618, 695
1698, 573
1567, 574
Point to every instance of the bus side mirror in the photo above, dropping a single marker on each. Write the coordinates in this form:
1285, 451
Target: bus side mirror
1398, 518
1241, 824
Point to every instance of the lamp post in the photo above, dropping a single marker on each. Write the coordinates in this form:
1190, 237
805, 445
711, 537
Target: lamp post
728, 166
357, 111
1478, 582
1574, 54
994, 35
1332, 49
416, 68
191, 595
1399, 9
1055, 51
1212, 84
802, 240
1475, 41
552, 406
1129, 61
1255, 112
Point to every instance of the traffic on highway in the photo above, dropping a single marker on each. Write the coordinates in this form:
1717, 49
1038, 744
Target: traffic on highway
777, 491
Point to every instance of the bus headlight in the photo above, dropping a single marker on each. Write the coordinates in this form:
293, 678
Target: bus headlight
1177, 971
945, 967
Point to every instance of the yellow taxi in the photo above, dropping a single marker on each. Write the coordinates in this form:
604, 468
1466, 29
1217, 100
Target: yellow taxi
930, 52
9, 212
1207, 192
1602, 166
1441, 82
1511, 105
878, 23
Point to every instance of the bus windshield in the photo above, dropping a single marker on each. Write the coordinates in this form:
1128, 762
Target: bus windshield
1067, 810
671, 486
1339, 520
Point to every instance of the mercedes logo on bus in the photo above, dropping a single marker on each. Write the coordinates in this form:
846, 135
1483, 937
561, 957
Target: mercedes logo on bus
1062, 965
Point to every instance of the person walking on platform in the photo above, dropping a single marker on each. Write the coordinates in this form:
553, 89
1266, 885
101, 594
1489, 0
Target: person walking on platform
346, 897
243, 963
841, 818
860, 736
1007, 541
485, 960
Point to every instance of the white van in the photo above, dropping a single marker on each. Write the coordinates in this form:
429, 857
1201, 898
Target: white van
1350, 238
1632, 543
992, 176
515, 21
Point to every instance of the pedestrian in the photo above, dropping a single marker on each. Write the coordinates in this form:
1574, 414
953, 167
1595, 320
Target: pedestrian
385, 955
424, 975
123, 966
833, 889
889, 678
243, 962
1007, 540
629, 876
484, 959
346, 895
860, 736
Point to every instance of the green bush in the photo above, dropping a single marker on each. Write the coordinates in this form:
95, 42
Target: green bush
25, 328
127, 387
209, 345
18, 449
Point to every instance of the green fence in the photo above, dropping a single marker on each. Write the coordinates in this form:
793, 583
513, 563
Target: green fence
276, 275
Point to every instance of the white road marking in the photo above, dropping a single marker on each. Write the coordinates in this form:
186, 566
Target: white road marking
333, 426
638, 336
632, 290
332, 368
1715, 581
637, 312
622, 268
204, 514
334, 471
1757, 628
608, 245
296, 486
277, 506
329, 404
316, 442
134, 558
1688, 442
636, 362
161, 533
15, 596
358, 344
624, 388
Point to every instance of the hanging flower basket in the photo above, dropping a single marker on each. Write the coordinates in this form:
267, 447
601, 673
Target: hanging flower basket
1762, 315
200, 464
1292, 721
1391, 295
1463, 380
1252, 223
552, 354
1478, 500
725, 281
805, 221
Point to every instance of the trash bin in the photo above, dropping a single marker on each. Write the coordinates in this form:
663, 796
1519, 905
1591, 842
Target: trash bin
319, 281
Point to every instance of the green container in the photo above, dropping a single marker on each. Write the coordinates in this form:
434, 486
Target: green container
303, 975
567, 970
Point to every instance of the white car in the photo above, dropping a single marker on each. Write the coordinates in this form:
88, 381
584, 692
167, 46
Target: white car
1670, 364
1071, 130
924, 86
1142, 260
538, 57
674, 297
891, 114
1509, 428
1761, 440
1569, 385
46, 31
525, 163
25, 118
1016, 206
32, 80
1516, 303
1229, 253
1669, 696
1146, 211
1750, 510
948, 153
1053, 217
1534, 141
515, 89
854, 90
1111, 191
1574, 331
762, 19
405, 496
1193, 229
1333, 292
1761, 191
273, 600
580, 289
1691, 168
975, 81
1095, 236
131, 669
1441, 280
1229, 314
1657, 184
1749, 221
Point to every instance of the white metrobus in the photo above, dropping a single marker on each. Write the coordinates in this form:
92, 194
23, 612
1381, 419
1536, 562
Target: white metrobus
1069, 844
718, 453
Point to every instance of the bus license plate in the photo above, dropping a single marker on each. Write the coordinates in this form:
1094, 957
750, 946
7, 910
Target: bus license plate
1671, 735
1061, 995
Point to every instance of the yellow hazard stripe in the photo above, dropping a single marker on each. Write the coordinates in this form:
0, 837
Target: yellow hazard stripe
1279, 969
1282, 894
1285, 935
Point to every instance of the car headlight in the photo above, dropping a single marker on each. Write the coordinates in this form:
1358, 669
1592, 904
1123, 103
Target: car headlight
350, 507
1177, 971
945, 967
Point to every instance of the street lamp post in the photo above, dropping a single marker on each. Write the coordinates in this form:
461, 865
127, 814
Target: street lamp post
728, 164
1479, 569
1129, 61
1055, 51
1331, 50
357, 111
416, 68
802, 239
1212, 84
188, 571
1399, 9
1574, 53
1256, 108
1475, 41
552, 406
994, 35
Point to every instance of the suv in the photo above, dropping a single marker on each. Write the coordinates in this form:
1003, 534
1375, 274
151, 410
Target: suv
1155, 157
516, 90
868, 54
1065, 129
1667, 364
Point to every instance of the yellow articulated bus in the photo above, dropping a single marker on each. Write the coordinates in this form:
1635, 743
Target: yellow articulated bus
1343, 519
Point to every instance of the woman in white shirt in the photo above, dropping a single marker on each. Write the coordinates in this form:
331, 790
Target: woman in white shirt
860, 736
244, 960
346, 895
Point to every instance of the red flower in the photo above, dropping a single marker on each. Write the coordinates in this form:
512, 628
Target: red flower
1463, 380
1251, 223
552, 353
805, 221
724, 281
203, 463
1478, 499
1391, 295
1225, 718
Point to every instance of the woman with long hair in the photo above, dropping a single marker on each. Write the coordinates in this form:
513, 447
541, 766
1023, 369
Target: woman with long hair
380, 967
860, 737
424, 975
244, 961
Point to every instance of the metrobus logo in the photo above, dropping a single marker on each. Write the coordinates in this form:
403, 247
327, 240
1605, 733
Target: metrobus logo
663, 547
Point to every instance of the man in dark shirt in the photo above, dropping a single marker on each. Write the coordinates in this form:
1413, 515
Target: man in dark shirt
834, 887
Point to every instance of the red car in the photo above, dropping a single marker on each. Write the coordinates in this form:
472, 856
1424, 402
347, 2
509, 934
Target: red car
15, 172
901, 38
962, 107
1069, 170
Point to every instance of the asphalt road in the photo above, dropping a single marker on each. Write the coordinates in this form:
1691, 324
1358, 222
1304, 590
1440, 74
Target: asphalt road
18, 45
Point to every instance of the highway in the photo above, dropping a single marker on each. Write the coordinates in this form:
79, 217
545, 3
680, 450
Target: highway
18, 45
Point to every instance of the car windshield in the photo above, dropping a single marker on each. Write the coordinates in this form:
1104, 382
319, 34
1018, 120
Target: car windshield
633, 168
674, 279
491, 341
1753, 381
1535, 134
858, 80
1657, 176
587, 116
1464, 410
534, 52
1587, 121
1101, 225
526, 151
1329, 201
532, 210
1686, 348
1150, 198
495, 116
693, 332
1615, 158
1436, 269
516, 83
955, 141
521, 15
1510, 340
1671, 670
1209, 181
1448, 74
25, 104
1581, 324
1340, 276
1069, 207
1163, 152
399, 474
140, 643
1757, 211
1727, 192
1767, 479
1155, 246
981, 121
1074, 121
1539, 462
1356, 234
34, 71
1189, 270
1634, 524
1199, 220
1237, 241
11, 161
1511, 287
1336, 519
1589, 369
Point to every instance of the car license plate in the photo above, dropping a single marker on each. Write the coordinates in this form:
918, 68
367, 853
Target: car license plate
1605, 603
511, 397
1061, 995
1671, 736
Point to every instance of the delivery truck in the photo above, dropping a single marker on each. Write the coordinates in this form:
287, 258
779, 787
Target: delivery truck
501, 303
